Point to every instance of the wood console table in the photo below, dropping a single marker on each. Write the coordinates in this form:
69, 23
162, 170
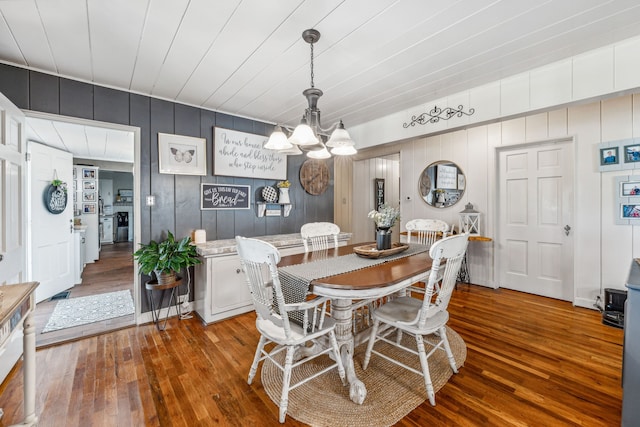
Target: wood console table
17, 306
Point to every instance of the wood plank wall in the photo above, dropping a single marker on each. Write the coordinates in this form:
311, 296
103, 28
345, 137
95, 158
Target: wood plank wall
177, 196
603, 249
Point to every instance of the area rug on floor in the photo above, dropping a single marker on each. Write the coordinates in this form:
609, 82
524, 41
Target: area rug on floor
94, 308
392, 391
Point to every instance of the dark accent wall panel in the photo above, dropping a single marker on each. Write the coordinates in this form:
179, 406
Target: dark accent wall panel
14, 84
177, 206
208, 219
140, 111
162, 185
76, 99
44, 93
110, 105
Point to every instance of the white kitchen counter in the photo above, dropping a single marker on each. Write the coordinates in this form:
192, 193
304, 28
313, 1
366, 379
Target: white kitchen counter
281, 241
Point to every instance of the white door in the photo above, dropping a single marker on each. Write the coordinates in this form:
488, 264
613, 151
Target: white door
51, 259
13, 249
13, 265
535, 219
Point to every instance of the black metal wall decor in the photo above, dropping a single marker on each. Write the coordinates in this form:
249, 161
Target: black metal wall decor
436, 114
379, 192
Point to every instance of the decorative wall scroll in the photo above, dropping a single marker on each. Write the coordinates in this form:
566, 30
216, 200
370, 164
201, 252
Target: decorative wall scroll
183, 155
224, 196
241, 154
436, 114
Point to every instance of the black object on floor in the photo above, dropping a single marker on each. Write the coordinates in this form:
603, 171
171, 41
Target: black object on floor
61, 295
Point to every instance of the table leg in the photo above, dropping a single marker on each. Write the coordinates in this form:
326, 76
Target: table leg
29, 367
342, 313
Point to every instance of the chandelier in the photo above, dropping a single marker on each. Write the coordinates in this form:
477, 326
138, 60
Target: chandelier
309, 135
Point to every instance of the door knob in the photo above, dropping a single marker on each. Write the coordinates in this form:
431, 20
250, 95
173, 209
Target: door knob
566, 230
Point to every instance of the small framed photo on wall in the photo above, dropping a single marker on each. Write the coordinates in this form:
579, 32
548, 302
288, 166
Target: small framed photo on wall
609, 156
89, 208
632, 153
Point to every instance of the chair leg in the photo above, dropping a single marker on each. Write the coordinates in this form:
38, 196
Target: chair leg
336, 353
286, 379
256, 358
447, 348
372, 340
425, 370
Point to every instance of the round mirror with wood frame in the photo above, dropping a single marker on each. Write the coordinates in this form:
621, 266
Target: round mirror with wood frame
442, 184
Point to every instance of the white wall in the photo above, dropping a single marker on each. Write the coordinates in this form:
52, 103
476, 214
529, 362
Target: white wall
603, 250
364, 174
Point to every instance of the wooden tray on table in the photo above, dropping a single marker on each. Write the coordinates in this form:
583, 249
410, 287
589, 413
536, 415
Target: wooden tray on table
370, 251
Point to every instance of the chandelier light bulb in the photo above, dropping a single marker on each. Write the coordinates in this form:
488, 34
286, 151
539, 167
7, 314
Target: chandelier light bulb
278, 140
303, 135
319, 154
340, 137
344, 150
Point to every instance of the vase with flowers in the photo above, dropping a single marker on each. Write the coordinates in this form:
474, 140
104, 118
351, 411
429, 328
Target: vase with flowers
283, 196
385, 217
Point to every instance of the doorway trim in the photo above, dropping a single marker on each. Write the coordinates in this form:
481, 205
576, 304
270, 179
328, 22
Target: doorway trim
571, 142
136, 182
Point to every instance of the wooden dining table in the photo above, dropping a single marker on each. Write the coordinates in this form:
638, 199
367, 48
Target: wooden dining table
375, 281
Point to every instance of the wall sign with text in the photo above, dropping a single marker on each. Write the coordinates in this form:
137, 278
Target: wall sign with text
224, 196
241, 154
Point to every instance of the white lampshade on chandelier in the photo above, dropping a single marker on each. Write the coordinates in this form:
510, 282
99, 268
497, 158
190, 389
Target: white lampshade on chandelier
309, 136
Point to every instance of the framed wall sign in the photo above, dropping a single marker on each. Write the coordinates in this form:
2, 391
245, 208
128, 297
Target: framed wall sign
225, 196
182, 155
241, 154
447, 177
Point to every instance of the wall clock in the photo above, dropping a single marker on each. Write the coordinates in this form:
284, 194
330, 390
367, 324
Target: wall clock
314, 176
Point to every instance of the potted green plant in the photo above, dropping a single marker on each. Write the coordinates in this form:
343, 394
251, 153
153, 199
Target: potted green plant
167, 258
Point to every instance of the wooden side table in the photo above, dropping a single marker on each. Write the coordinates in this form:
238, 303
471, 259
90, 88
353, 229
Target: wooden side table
17, 307
463, 274
152, 285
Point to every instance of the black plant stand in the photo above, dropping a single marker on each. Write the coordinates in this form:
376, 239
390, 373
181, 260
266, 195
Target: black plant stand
152, 285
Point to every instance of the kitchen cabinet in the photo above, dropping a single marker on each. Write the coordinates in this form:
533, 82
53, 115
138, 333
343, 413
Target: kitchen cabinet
79, 256
220, 286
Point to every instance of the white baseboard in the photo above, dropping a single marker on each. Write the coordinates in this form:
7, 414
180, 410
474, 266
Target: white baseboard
585, 303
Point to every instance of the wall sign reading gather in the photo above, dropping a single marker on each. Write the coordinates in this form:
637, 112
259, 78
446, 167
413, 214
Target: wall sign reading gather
241, 154
224, 196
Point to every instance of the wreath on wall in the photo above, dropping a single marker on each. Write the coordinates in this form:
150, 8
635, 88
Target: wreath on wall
55, 195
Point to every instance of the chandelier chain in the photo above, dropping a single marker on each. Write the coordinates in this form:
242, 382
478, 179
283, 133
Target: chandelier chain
312, 85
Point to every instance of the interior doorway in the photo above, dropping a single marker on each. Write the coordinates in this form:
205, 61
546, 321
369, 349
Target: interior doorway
114, 151
377, 171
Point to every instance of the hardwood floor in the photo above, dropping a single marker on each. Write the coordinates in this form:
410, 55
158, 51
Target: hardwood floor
531, 361
113, 272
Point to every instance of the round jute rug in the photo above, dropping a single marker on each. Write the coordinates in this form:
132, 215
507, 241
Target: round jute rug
392, 391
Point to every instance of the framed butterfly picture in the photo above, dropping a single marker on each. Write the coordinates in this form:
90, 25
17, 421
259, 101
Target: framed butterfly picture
182, 155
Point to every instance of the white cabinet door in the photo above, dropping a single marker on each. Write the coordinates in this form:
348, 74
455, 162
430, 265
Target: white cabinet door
230, 290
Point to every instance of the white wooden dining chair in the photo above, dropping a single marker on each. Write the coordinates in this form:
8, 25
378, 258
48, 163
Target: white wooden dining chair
425, 232
319, 236
276, 323
421, 317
